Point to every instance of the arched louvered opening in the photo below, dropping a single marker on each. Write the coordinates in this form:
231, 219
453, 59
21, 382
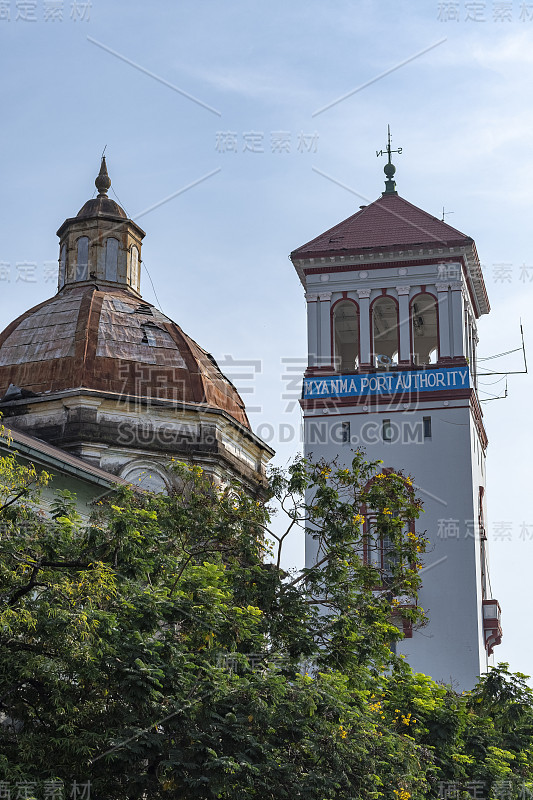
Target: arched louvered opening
134, 268
111, 259
385, 335
346, 336
82, 259
62, 266
424, 327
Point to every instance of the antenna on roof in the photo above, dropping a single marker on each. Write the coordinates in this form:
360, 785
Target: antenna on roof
445, 214
103, 152
521, 349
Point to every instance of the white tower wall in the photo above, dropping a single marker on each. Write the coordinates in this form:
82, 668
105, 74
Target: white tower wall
406, 391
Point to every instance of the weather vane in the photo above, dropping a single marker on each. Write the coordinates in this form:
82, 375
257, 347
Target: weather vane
388, 149
389, 169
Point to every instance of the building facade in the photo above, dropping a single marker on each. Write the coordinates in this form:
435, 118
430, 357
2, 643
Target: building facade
106, 377
393, 295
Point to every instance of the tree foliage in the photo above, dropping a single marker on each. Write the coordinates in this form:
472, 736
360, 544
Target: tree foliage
162, 651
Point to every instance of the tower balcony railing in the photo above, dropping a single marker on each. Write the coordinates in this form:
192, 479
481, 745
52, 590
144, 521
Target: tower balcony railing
379, 364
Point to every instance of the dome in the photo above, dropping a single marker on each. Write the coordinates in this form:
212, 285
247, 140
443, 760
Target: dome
101, 207
104, 376
105, 338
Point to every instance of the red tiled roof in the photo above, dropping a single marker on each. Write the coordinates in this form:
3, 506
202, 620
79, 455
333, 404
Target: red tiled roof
390, 221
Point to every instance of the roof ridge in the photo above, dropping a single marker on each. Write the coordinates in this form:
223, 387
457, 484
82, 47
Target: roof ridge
380, 232
422, 211
329, 230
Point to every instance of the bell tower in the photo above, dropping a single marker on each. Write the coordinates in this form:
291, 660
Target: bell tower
393, 295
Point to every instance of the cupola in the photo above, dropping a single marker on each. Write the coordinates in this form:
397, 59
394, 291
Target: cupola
100, 244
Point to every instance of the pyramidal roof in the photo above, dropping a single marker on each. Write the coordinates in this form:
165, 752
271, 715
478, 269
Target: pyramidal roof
388, 222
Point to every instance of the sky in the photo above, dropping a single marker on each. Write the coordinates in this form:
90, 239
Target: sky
234, 133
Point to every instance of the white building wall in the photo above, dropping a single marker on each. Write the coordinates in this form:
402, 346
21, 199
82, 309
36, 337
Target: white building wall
450, 648
447, 468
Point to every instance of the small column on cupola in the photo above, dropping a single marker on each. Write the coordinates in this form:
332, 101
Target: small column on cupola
100, 245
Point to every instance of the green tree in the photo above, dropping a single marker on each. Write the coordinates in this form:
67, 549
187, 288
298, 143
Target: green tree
162, 651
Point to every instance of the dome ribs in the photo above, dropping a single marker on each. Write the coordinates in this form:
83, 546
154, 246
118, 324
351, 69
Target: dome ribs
105, 340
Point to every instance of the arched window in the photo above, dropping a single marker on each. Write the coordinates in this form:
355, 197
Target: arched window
111, 259
379, 550
62, 266
424, 329
385, 331
384, 550
82, 260
134, 268
346, 336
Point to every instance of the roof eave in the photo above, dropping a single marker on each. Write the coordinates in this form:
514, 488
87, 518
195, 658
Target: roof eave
475, 277
301, 254
107, 217
52, 457
136, 400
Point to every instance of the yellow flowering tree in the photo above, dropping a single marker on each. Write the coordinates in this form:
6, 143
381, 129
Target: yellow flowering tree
162, 652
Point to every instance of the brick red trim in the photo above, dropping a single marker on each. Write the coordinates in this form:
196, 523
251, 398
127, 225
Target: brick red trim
375, 400
478, 420
354, 267
414, 262
387, 411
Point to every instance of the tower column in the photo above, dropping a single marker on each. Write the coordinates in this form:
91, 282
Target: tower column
444, 320
458, 343
364, 323
312, 328
324, 351
404, 331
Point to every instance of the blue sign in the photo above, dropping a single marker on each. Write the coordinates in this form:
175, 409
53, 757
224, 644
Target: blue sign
388, 383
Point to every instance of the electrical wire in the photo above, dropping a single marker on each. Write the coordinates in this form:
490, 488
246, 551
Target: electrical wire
143, 261
494, 396
153, 287
493, 383
498, 355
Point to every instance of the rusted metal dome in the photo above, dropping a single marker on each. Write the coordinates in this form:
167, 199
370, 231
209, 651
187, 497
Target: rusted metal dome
101, 207
106, 377
105, 338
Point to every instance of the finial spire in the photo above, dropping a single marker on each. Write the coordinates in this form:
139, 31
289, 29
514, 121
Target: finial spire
103, 181
389, 169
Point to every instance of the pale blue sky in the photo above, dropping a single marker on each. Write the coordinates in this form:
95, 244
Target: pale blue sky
217, 253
